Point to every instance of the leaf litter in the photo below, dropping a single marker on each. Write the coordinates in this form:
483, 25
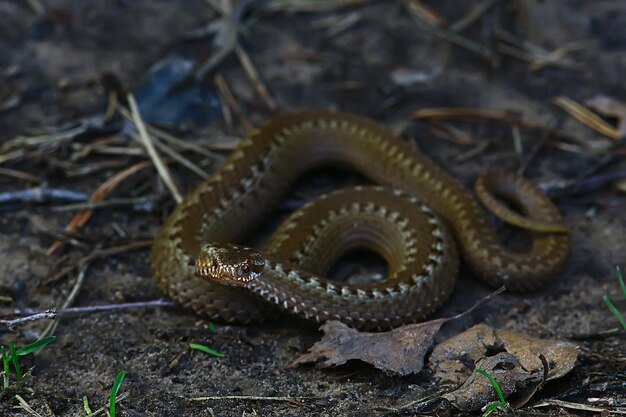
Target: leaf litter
520, 364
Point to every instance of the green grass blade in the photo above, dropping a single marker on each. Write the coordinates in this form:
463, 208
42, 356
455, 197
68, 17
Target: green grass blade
5, 367
615, 311
16, 362
86, 405
206, 349
116, 387
25, 350
491, 408
212, 327
620, 279
495, 385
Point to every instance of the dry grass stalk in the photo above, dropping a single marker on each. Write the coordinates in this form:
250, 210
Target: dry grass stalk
148, 144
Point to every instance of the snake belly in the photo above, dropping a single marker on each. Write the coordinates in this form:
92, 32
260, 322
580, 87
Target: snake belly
237, 197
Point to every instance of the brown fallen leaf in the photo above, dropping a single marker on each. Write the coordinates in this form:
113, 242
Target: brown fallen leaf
510, 375
400, 351
453, 360
560, 355
521, 366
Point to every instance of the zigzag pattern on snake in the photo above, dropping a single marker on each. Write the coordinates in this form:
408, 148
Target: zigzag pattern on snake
395, 220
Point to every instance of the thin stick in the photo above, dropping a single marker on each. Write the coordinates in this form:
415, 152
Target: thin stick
24, 405
98, 253
473, 15
415, 9
83, 216
31, 314
181, 159
581, 407
255, 78
165, 148
41, 195
471, 114
19, 174
252, 398
146, 202
13, 324
88, 309
52, 326
225, 92
146, 141
586, 116
161, 134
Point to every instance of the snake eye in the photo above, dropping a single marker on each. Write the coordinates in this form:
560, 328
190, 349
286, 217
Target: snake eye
245, 268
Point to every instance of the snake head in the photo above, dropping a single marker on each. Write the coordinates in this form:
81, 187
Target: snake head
228, 264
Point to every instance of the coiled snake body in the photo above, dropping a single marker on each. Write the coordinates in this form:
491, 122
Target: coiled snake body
393, 219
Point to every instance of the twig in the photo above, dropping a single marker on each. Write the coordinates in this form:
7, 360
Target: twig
471, 114
566, 187
227, 31
587, 117
83, 216
40, 195
225, 92
610, 107
581, 407
414, 9
180, 159
138, 203
255, 79
100, 253
85, 169
311, 6
451, 134
165, 148
252, 398
24, 405
18, 147
161, 134
537, 56
19, 174
476, 150
555, 57
146, 141
13, 324
474, 14
33, 314
51, 327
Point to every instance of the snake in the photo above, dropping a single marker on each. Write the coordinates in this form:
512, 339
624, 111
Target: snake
417, 217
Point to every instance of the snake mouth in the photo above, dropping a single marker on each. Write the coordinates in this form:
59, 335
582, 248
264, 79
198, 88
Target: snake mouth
228, 264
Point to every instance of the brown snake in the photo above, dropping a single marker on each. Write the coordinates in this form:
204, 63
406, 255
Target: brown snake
393, 221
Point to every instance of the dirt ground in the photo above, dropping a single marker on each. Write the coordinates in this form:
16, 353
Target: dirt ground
58, 66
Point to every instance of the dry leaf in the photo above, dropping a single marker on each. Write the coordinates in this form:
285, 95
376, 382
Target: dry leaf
475, 343
400, 351
521, 367
508, 373
561, 355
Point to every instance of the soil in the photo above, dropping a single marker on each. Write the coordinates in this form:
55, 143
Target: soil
358, 59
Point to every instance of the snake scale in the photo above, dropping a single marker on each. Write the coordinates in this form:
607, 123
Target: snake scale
414, 218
